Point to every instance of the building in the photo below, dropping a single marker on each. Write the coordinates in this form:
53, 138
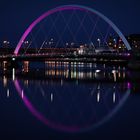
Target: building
6, 44
134, 40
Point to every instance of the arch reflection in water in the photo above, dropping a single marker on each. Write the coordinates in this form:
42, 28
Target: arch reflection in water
72, 107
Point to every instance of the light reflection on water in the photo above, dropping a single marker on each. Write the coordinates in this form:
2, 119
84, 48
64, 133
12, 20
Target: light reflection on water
71, 96
75, 70
72, 106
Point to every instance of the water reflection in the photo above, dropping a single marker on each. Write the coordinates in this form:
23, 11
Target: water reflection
72, 106
4, 81
70, 96
8, 93
73, 70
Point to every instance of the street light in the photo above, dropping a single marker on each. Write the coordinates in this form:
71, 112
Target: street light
115, 42
99, 41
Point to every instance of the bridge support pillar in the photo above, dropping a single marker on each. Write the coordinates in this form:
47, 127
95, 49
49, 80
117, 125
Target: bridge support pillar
4, 65
9, 65
25, 67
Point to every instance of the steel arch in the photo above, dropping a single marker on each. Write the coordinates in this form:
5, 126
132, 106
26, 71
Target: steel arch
70, 7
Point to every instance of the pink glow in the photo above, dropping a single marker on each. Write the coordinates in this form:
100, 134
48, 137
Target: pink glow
29, 29
39, 116
129, 85
70, 7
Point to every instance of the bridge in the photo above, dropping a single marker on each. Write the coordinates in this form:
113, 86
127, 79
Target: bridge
78, 25
95, 57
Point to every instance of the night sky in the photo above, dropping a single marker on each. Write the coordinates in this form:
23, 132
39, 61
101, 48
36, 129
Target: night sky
17, 15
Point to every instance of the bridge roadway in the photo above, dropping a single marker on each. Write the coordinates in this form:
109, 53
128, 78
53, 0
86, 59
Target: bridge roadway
67, 57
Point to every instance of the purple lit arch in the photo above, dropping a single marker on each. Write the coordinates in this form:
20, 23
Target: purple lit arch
70, 7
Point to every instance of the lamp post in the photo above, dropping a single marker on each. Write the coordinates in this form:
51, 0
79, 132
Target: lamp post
115, 43
99, 41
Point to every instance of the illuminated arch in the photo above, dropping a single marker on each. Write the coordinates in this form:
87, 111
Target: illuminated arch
70, 7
